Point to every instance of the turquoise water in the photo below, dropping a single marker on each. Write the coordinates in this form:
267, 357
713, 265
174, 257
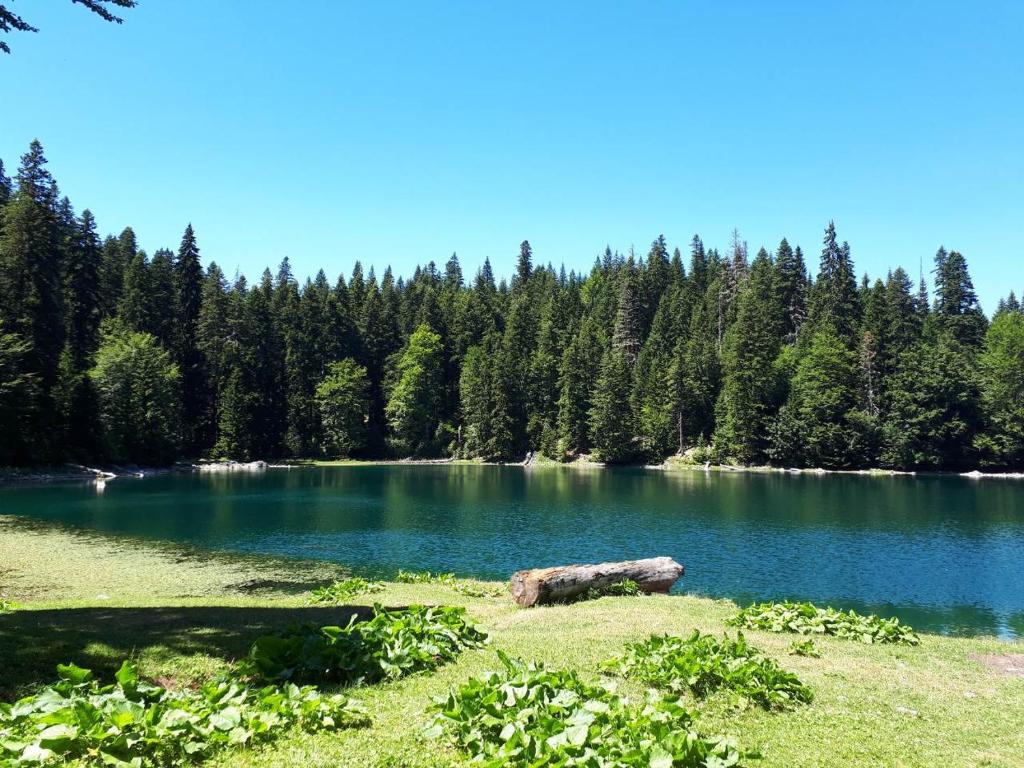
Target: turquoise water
943, 553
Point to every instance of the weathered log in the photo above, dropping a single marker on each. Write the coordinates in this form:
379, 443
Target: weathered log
552, 585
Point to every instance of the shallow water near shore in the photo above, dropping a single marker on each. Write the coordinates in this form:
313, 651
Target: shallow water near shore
945, 554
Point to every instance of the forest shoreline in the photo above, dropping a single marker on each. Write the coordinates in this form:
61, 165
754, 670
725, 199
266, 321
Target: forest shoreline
102, 473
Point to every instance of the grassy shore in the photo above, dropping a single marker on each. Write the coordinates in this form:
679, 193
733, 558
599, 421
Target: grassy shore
183, 616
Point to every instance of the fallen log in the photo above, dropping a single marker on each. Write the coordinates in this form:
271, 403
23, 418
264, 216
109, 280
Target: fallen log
552, 585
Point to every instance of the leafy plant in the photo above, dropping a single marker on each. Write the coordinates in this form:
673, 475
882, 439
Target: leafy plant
624, 588
808, 619
468, 588
7, 605
527, 715
345, 589
476, 589
136, 723
424, 577
390, 645
702, 664
804, 648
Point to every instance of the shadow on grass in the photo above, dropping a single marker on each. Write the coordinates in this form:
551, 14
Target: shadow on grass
33, 643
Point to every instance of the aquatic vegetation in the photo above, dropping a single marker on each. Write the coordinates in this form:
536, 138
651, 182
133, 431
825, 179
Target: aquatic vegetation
136, 723
391, 644
702, 664
345, 589
809, 619
527, 715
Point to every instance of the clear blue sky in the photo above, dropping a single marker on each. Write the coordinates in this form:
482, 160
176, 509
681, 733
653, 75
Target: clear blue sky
398, 133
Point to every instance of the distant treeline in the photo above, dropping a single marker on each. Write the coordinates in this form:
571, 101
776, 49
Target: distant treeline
107, 353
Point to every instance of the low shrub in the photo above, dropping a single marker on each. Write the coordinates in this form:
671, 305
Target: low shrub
391, 644
808, 619
345, 589
702, 665
527, 715
135, 723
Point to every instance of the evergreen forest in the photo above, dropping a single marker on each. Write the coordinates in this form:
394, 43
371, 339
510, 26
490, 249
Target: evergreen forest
111, 354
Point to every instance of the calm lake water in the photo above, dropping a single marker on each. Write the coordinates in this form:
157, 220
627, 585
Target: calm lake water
945, 554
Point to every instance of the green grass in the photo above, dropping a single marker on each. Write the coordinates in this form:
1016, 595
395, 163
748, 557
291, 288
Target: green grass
183, 617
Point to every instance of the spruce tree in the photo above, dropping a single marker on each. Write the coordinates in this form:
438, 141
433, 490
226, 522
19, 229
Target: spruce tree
834, 299
612, 423
133, 307
627, 336
956, 304
476, 401
791, 279
214, 342
188, 274
821, 424
1001, 375
932, 418
31, 297
524, 266
748, 398
161, 294
18, 399
575, 385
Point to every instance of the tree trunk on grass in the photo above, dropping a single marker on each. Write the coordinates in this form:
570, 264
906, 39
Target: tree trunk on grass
552, 585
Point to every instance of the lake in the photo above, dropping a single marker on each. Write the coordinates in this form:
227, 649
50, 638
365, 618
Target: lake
945, 554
